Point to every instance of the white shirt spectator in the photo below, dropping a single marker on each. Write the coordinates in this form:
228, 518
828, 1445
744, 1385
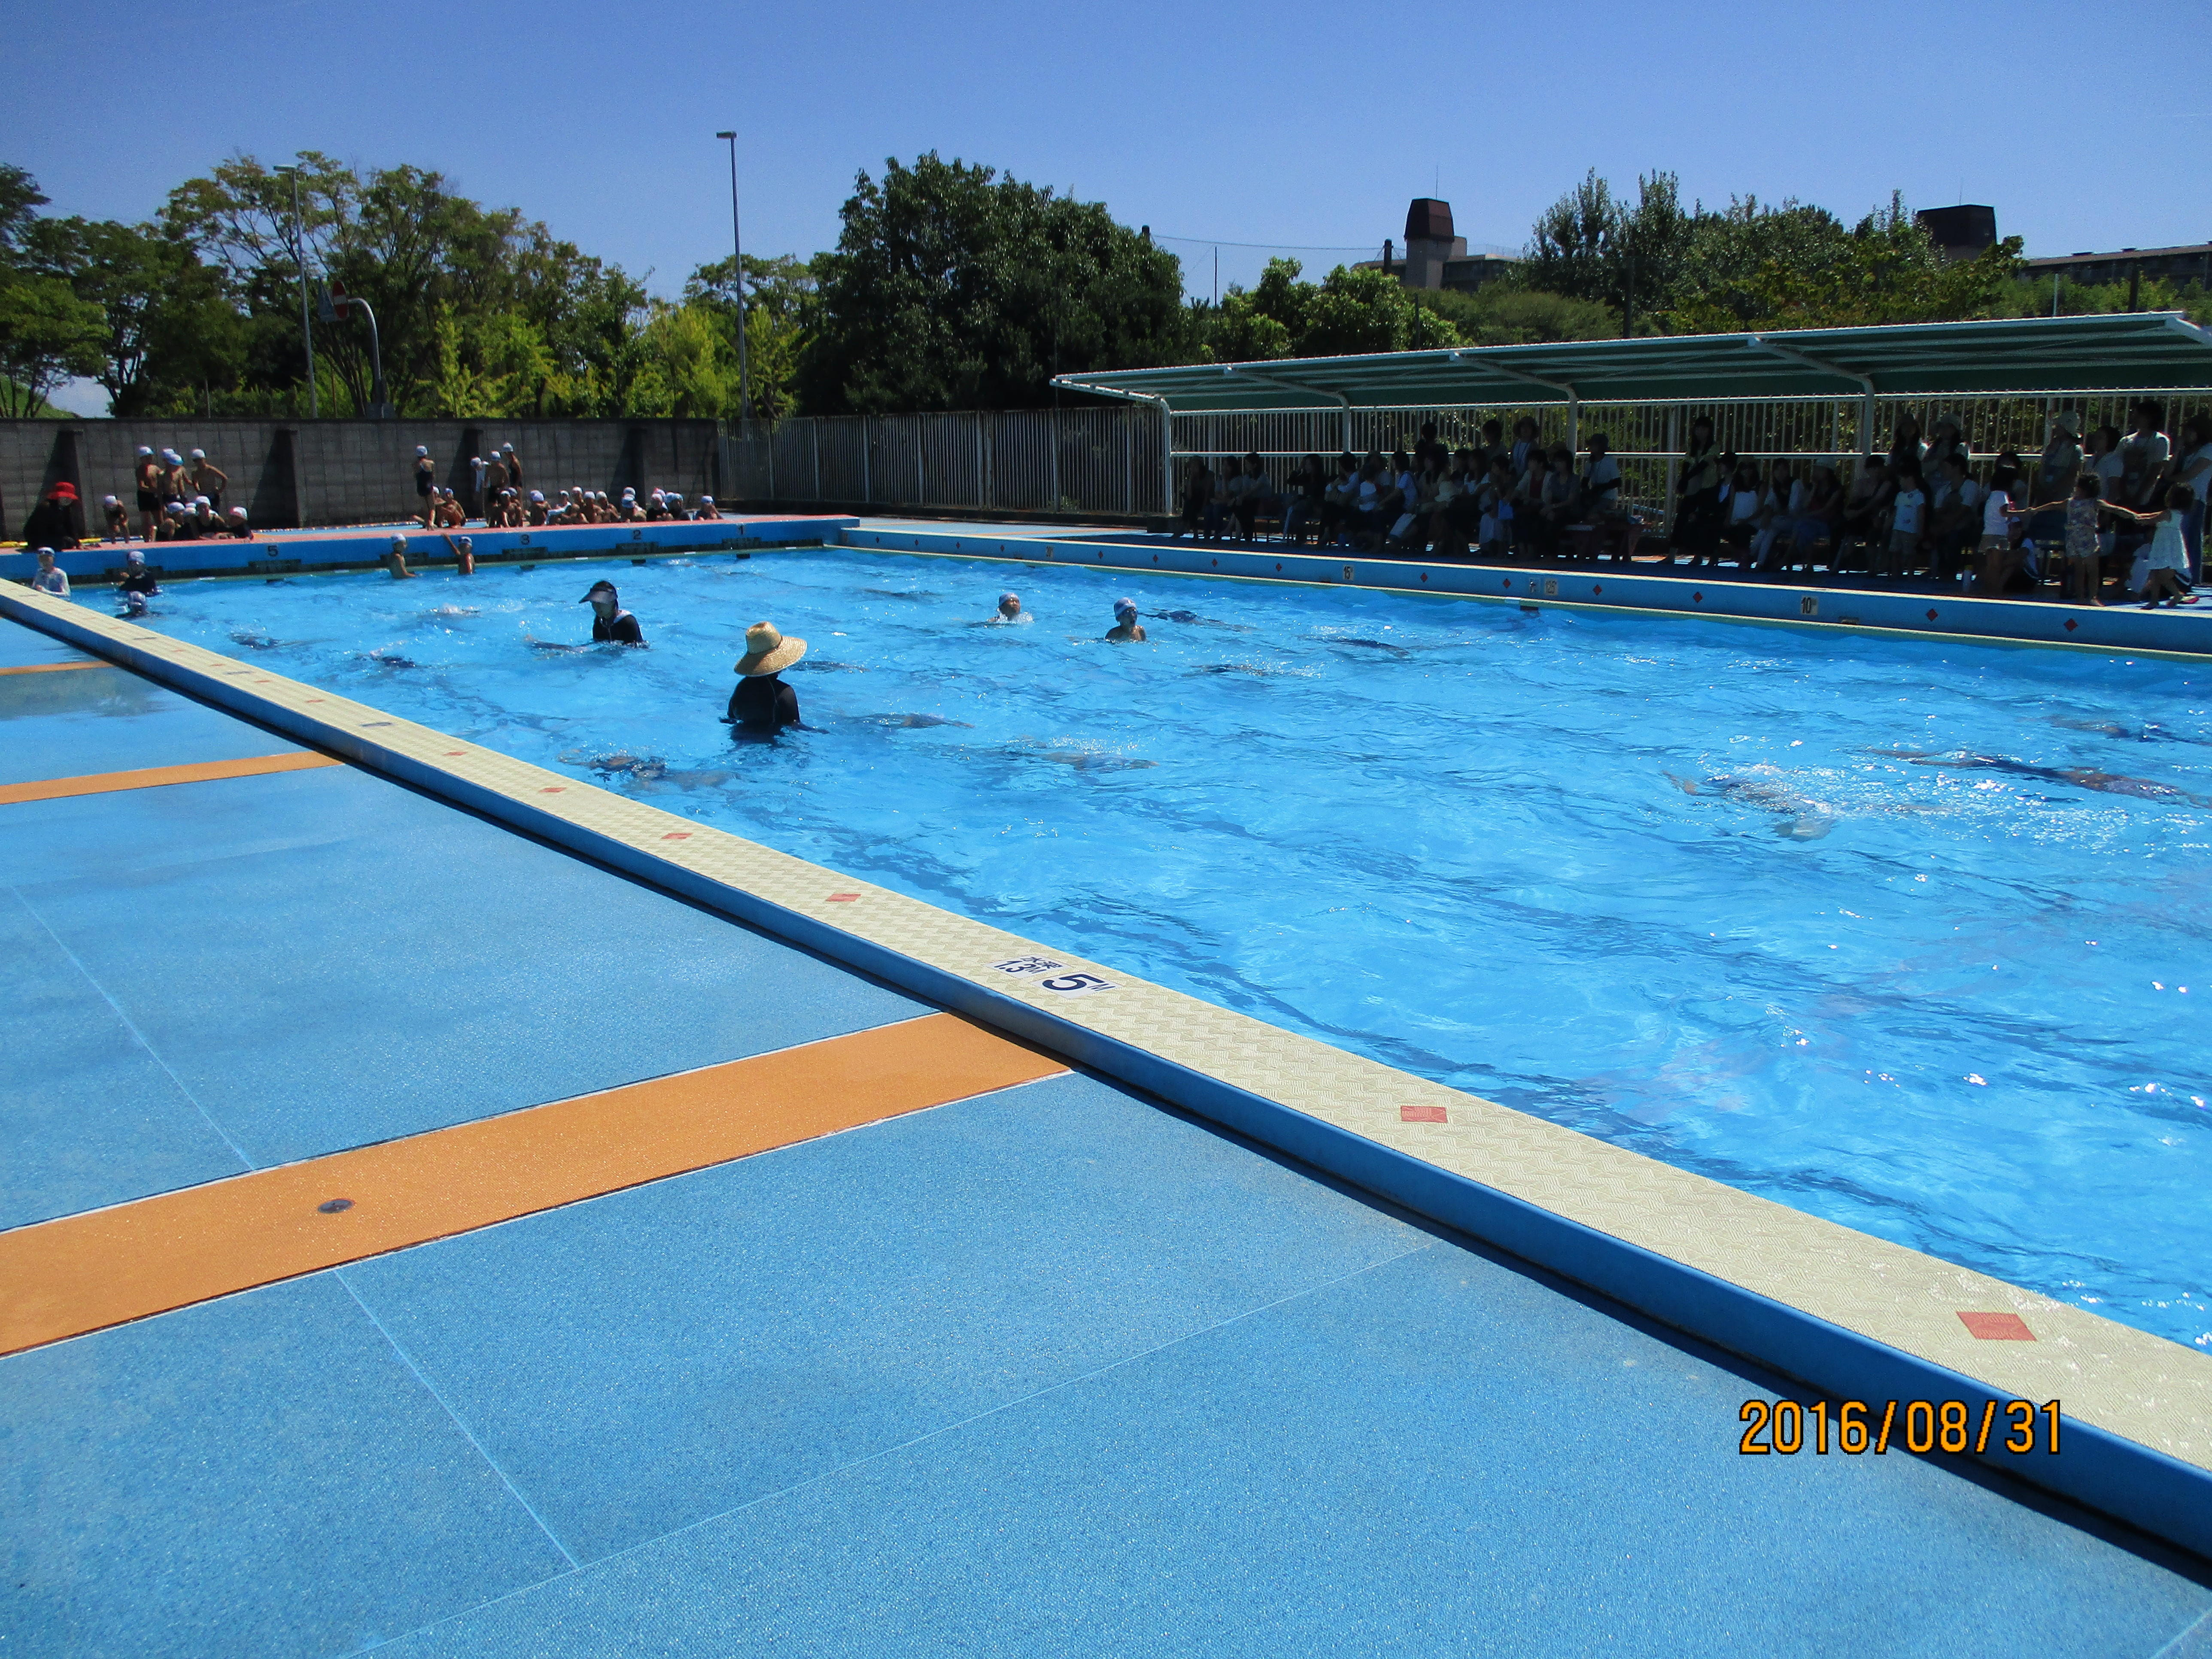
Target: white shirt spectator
2196, 471
1908, 505
1604, 481
1994, 522
2140, 457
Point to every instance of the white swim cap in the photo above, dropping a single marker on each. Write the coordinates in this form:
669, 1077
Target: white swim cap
421, 450
200, 454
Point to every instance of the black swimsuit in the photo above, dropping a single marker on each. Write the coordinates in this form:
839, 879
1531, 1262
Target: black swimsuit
622, 630
763, 703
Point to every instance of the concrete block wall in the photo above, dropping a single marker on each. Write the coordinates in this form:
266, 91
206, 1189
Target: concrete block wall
293, 473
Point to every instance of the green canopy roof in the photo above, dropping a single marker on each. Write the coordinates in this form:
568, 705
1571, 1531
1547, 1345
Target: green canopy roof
2131, 351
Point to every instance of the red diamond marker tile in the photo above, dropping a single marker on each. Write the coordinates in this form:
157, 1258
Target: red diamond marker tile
678, 835
843, 898
1931, 615
1423, 1115
2071, 624
1997, 1327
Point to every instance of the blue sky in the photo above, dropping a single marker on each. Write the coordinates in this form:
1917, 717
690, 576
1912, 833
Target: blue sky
1284, 123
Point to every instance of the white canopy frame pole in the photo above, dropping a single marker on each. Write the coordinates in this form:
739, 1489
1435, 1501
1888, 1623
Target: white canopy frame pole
1760, 342
1342, 403
1564, 388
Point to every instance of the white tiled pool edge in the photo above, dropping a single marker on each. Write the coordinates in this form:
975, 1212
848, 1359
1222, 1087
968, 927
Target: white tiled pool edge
1858, 1317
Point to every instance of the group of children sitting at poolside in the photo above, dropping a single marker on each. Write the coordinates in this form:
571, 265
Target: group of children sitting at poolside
1495, 497
515, 509
1920, 509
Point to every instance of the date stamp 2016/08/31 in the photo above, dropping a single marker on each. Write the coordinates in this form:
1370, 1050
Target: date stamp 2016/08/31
1788, 1426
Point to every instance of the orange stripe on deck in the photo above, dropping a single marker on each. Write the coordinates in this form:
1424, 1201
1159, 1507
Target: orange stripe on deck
154, 777
81, 1273
57, 667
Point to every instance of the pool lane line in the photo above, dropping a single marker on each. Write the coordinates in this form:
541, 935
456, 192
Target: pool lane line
160, 777
84, 1272
57, 667
1851, 1315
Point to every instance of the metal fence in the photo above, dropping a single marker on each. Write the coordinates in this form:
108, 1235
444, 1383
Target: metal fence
1036, 460
1119, 460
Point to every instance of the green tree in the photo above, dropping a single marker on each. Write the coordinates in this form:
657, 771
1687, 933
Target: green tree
951, 287
782, 307
1349, 311
47, 334
419, 252
1593, 245
1500, 313
1886, 270
1364, 310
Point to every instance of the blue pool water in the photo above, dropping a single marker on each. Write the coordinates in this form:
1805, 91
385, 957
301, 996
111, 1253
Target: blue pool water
1910, 935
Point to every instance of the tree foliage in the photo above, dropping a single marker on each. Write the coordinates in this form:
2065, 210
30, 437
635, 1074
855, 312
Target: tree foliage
1752, 265
953, 287
47, 333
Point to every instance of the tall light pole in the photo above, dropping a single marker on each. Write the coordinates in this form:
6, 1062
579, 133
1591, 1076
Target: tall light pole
738, 246
306, 334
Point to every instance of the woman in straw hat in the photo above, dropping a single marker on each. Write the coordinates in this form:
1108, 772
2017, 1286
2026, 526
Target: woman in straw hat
762, 703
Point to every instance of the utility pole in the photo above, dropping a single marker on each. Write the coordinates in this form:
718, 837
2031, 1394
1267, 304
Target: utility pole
737, 247
307, 334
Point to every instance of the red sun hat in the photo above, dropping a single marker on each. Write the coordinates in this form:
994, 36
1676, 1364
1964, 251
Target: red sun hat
63, 491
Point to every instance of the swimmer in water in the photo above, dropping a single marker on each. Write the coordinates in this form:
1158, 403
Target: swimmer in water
610, 621
1010, 609
464, 552
762, 702
2080, 777
396, 560
138, 585
1126, 629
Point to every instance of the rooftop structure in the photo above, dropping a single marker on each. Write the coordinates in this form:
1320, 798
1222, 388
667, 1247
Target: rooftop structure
1436, 255
1961, 232
2191, 263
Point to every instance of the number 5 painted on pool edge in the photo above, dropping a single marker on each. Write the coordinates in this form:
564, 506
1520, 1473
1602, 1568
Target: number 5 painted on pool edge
1077, 985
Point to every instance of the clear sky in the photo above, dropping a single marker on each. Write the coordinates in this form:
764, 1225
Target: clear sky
1286, 123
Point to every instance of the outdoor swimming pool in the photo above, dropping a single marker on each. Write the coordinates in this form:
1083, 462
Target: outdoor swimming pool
1910, 935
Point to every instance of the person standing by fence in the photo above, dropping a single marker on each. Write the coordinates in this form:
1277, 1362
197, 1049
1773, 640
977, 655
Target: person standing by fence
207, 478
426, 485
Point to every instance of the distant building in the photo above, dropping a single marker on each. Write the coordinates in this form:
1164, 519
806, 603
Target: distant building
1434, 257
1963, 233
2192, 263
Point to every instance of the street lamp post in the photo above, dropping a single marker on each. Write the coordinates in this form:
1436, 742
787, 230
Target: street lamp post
336, 303
306, 334
738, 246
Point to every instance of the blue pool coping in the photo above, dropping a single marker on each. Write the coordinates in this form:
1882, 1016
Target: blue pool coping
281, 552
1664, 591
2101, 1470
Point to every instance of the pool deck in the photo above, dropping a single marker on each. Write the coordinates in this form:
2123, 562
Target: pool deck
455, 1209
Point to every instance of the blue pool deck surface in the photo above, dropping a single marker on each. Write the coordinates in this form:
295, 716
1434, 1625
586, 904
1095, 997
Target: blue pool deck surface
1054, 1370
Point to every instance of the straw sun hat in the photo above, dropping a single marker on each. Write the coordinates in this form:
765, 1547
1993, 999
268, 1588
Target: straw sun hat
767, 652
